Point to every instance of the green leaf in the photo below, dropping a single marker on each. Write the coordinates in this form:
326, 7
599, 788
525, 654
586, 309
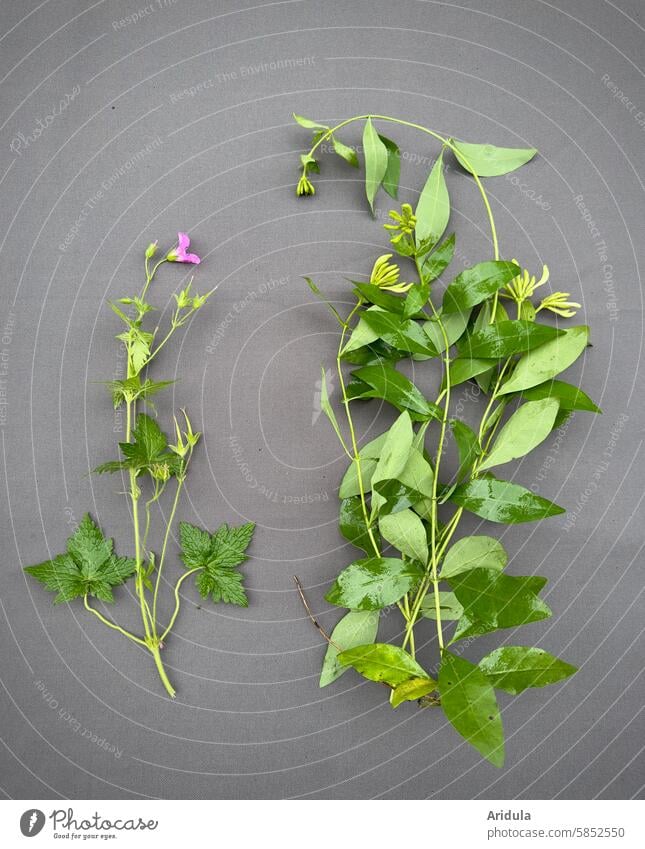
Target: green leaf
487, 160
436, 263
493, 600
412, 690
515, 668
547, 361
356, 628
415, 300
449, 607
467, 368
467, 445
361, 335
525, 430
307, 123
393, 170
89, 568
475, 284
147, 452
505, 338
375, 295
352, 523
406, 532
217, 555
347, 153
376, 161
454, 324
373, 583
433, 208
403, 334
132, 389
396, 449
327, 303
469, 703
504, 502
327, 407
392, 386
368, 455
569, 397
412, 487
472, 552
383, 662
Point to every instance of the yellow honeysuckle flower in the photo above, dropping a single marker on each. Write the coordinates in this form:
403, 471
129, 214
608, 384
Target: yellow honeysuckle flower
385, 275
557, 303
524, 285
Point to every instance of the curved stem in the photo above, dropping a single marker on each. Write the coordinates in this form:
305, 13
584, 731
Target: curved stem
162, 672
112, 625
182, 578
348, 415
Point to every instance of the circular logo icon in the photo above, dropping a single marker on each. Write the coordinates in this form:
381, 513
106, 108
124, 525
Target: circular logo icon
32, 822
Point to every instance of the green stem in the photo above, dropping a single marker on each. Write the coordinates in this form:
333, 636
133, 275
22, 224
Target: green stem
162, 672
112, 625
177, 601
352, 432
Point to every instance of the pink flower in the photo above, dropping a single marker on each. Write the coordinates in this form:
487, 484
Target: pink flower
179, 253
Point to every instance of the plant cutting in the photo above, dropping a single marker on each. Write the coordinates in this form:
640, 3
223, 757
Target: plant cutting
150, 465
405, 492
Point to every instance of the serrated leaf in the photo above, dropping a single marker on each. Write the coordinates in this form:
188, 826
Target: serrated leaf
376, 161
433, 209
488, 160
501, 501
469, 703
525, 430
383, 662
472, 552
373, 583
547, 361
410, 691
195, 545
89, 568
515, 668
222, 585
356, 628
493, 600
217, 555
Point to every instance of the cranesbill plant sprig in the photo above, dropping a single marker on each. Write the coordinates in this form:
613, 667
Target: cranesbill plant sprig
399, 503
151, 464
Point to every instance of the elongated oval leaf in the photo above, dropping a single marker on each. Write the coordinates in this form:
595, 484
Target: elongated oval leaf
383, 662
526, 428
450, 607
472, 552
376, 159
507, 337
436, 263
326, 406
410, 691
395, 388
393, 170
307, 123
475, 284
504, 502
487, 160
399, 332
368, 455
396, 449
353, 526
406, 532
469, 703
569, 397
361, 335
373, 583
345, 152
515, 668
547, 361
493, 600
356, 628
454, 324
462, 369
433, 208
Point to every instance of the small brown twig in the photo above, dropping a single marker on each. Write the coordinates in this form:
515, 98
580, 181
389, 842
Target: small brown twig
315, 622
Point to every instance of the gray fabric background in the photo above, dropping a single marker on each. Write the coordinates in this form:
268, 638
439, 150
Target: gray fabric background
220, 162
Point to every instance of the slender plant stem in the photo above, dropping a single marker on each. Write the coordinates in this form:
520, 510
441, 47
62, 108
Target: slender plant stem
173, 510
314, 621
112, 625
180, 581
162, 672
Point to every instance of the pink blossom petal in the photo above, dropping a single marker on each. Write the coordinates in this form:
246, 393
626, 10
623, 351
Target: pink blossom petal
183, 242
191, 258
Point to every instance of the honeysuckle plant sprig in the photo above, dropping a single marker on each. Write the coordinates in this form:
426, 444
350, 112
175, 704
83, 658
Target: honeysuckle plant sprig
401, 502
151, 463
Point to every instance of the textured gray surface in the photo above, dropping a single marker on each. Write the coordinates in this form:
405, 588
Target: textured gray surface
250, 720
